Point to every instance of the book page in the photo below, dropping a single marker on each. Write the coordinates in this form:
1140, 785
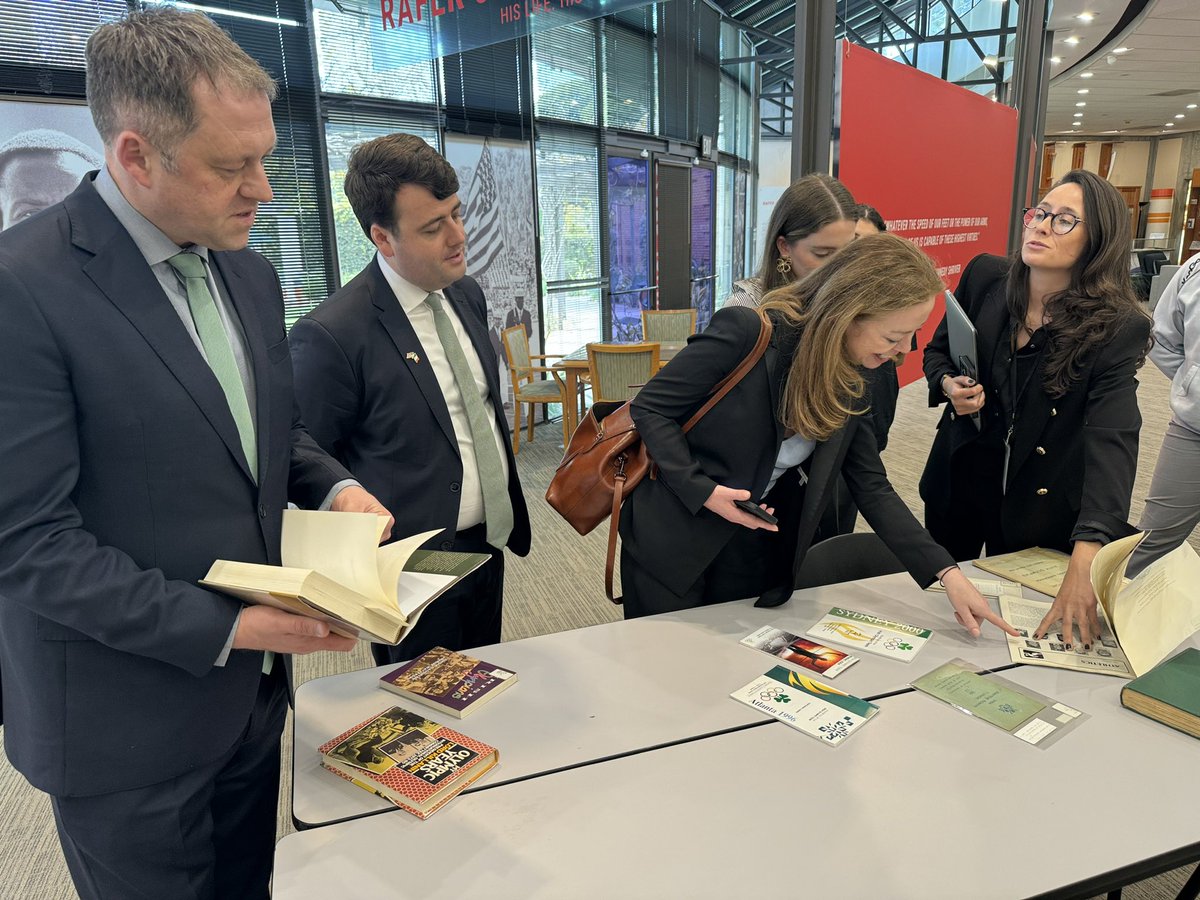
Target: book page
1037, 568
391, 560
1104, 657
1108, 569
1159, 609
342, 546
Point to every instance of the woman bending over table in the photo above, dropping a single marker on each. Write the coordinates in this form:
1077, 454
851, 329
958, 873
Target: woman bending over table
779, 438
1042, 451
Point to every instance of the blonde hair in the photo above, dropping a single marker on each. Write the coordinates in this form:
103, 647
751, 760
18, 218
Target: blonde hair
871, 277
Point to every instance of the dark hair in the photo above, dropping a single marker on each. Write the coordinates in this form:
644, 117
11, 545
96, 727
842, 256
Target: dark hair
1099, 299
808, 205
379, 168
871, 214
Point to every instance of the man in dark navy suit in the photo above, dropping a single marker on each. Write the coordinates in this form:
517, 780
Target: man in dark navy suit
397, 378
147, 428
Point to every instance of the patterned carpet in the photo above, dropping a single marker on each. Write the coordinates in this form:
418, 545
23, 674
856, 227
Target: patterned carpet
557, 587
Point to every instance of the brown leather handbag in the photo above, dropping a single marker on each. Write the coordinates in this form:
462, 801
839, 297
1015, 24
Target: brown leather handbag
606, 459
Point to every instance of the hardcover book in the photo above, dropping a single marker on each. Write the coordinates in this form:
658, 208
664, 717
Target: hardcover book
1169, 693
818, 710
883, 637
453, 682
800, 651
416, 764
334, 570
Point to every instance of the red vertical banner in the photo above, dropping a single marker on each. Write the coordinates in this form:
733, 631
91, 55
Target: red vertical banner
935, 159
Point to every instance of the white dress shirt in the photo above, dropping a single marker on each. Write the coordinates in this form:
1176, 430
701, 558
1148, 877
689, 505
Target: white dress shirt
420, 316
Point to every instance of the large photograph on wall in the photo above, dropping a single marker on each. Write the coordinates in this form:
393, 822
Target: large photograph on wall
496, 187
45, 149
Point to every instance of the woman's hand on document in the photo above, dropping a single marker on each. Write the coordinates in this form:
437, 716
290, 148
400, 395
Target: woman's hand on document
970, 607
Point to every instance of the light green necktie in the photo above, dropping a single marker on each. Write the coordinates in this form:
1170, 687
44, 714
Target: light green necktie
497, 507
217, 349
219, 353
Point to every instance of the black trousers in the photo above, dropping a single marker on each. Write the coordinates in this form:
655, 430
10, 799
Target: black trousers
206, 835
742, 569
468, 615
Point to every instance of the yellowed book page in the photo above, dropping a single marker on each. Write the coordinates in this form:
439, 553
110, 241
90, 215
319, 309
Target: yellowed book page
1037, 568
1108, 569
342, 546
1159, 609
391, 560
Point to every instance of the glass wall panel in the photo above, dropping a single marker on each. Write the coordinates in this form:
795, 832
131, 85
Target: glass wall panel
628, 245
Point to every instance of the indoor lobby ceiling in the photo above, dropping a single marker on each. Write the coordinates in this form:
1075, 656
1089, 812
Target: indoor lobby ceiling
1139, 63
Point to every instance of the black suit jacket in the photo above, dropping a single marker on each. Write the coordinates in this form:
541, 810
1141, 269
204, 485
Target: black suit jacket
124, 480
664, 524
381, 411
1073, 458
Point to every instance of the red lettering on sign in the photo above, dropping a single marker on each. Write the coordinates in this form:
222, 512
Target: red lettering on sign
385, 12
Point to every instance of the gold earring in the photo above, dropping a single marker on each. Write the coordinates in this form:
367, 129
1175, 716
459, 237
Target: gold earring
783, 266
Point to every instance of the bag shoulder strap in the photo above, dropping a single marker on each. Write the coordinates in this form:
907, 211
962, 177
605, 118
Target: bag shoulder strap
730, 381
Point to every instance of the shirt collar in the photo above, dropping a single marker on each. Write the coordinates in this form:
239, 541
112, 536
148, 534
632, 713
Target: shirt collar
154, 245
409, 295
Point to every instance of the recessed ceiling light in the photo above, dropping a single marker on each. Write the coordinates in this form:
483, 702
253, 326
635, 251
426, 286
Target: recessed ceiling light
1086, 74
1082, 91
1191, 106
1179, 115
1085, 17
1121, 50
1081, 103
1079, 115
1072, 40
1169, 124
1055, 60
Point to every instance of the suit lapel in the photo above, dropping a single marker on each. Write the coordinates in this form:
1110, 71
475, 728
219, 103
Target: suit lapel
240, 297
119, 270
822, 473
408, 345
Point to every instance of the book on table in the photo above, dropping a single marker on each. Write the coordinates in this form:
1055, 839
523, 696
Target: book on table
1141, 619
334, 570
403, 757
1169, 693
452, 682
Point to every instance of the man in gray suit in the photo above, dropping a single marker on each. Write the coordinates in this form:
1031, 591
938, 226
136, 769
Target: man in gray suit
147, 428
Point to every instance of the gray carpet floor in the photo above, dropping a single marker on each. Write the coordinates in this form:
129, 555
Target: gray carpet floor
557, 587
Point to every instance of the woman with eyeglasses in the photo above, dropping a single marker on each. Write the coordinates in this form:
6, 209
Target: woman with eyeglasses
1042, 451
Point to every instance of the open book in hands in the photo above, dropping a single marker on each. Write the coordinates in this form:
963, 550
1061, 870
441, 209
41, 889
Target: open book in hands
334, 570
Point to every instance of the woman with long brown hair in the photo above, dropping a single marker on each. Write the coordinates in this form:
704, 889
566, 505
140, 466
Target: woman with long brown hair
779, 438
1042, 451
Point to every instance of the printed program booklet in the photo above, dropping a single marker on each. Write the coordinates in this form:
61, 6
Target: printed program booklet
895, 640
1104, 657
800, 651
818, 710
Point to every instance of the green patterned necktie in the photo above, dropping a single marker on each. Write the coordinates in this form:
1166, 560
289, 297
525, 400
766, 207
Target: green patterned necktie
497, 507
217, 349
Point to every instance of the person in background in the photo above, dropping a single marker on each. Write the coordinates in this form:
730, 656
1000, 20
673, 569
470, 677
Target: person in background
149, 429
38, 168
811, 221
869, 221
781, 436
1052, 459
397, 378
1173, 504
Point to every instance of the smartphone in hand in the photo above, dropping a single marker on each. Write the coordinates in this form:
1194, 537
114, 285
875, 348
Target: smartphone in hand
755, 510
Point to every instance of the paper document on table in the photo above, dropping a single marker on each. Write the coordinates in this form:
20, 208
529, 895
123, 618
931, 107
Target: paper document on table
1104, 656
1037, 568
986, 587
1155, 612
1023, 713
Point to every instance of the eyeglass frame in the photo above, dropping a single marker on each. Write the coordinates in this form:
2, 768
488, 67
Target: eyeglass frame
1032, 212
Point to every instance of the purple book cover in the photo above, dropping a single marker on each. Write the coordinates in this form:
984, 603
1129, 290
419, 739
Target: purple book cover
448, 680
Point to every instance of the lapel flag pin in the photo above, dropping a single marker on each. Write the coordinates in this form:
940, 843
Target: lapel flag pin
412, 357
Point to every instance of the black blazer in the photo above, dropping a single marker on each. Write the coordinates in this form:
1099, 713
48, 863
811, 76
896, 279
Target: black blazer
382, 413
664, 524
1073, 458
124, 480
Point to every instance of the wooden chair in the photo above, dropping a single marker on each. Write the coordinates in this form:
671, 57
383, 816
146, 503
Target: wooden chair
527, 386
672, 325
618, 370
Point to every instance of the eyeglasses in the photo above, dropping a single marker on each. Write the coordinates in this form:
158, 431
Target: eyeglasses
1060, 223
